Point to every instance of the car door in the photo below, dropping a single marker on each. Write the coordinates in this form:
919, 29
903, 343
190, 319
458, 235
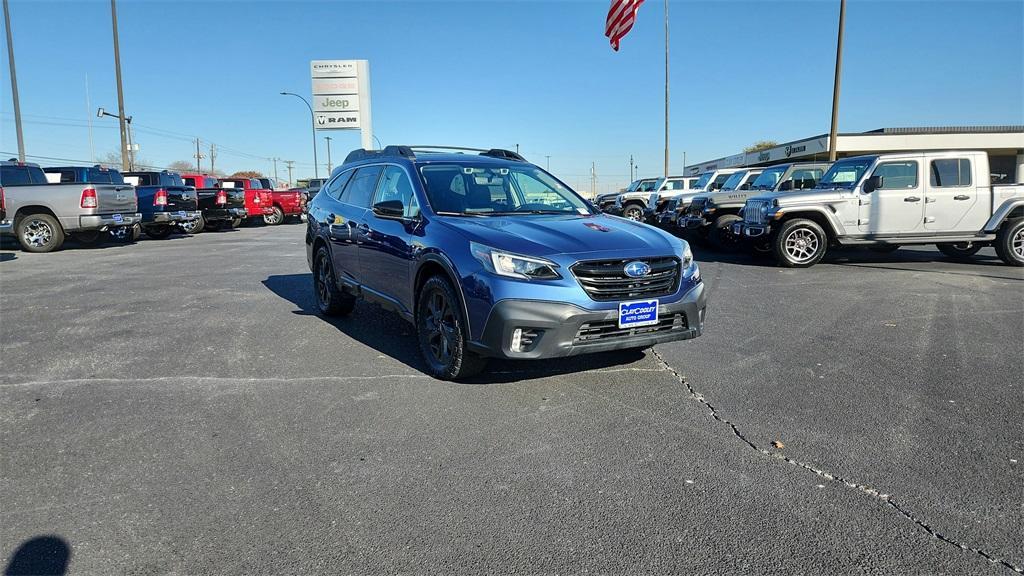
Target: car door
350, 227
952, 201
897, 206
386, 252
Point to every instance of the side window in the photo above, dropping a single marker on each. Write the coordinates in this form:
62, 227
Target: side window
897, 175
334, 187
719, 181
805, 178
394, 185
951, 172
675, 185
67, 176
361, 188
190, 182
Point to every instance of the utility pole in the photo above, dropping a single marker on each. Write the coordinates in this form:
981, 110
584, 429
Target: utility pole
213, 156
131, 146
14, 83
199, 156
329, 167
593, 180
835, 86
517, 148
684, 162
631, 168
547, 158
666, 88
125, 161
289, 163
275, 167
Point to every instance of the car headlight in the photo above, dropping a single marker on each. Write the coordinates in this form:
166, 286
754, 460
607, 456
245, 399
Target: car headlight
514, 265
687, 256
764, 209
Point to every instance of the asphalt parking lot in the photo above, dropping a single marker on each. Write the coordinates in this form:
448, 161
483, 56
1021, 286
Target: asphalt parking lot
177, 407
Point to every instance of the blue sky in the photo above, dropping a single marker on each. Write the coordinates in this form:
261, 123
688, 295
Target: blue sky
497, 74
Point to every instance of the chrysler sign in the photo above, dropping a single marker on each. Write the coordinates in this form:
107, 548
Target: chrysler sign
341, 96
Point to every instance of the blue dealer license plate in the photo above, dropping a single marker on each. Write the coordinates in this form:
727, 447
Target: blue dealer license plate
118, 218
638, 313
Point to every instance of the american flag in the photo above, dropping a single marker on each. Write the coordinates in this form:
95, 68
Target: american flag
621, 16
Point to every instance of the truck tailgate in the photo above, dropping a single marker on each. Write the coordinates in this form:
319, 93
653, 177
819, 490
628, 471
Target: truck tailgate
114, 198
181, 198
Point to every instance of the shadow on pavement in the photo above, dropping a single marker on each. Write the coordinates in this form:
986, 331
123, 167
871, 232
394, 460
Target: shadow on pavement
40, 556
390, 335
5, 256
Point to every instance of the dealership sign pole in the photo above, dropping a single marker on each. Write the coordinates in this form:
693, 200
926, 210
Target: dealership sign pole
341, 97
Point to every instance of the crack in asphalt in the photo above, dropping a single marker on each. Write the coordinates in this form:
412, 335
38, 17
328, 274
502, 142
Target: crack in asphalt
886, 498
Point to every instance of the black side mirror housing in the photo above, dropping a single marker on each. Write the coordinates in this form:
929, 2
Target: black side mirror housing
787, 185
389, 209
873, 183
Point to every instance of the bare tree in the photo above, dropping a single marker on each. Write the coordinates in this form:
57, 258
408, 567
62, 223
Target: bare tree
181, 166
247, 174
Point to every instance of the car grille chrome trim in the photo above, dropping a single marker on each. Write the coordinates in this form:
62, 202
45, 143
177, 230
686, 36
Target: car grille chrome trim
697, 206
752, 212
605, 280
609, 329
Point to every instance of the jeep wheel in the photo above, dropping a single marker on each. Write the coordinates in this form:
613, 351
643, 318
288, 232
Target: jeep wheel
800, 243
721, 235
634, 212
330, 300
1010, 242
959, 250
443, 333
274, 219
39, 233
193, 226
159, 232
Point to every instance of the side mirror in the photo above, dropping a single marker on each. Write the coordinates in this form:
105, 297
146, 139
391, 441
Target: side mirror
389, 209
873, 183
787, 185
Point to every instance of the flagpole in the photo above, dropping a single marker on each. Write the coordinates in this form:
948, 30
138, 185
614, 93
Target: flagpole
666, 88
832, 152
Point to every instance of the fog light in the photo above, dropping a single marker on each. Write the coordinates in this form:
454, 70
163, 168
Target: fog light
517, 339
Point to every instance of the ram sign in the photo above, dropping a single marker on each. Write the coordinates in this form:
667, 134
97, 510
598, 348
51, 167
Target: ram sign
341, 96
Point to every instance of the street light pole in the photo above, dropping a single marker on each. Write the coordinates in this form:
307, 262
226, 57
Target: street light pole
312, 125
125, 165
832, 152
329, 167
14, 83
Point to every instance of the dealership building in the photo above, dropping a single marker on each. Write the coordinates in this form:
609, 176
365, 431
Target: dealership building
1004, 144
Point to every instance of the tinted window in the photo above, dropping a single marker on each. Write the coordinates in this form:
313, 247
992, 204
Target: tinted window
806, 178
21, 176
846, 173
720, 181
951, 172
191, 182
897, 175
173, 180
361, 188
338, 184
647, 186
675, 185
395, 185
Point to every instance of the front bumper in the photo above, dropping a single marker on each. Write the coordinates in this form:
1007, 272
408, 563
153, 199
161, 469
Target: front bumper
691, 222
745, 230
558, 329
100, 221
173, 217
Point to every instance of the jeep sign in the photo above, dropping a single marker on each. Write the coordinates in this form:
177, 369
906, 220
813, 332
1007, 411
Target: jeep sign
341, 96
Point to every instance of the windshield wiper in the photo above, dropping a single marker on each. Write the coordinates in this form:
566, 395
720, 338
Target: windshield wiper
458, 214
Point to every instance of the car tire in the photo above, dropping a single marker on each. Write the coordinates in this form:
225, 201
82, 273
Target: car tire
634, 212
125, 234
1010, 242
194, 226
235, 223
330, 300
274, 219
39, 233
800, 243
959, 250
721, 235
443, 332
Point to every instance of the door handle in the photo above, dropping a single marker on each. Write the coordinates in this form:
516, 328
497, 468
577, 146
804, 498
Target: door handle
961, 197
912, 199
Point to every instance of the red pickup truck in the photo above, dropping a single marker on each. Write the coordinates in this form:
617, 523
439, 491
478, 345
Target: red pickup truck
259, 201
286, 202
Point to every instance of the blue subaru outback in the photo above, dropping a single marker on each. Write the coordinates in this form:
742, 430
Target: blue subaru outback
490, 256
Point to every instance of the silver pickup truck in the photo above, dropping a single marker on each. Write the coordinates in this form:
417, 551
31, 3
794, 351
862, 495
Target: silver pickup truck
42, 215
891, 200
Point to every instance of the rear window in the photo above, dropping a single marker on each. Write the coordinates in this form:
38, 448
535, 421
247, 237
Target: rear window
21, 176
951, 172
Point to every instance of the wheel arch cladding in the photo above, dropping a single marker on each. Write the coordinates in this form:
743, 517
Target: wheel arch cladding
435, 265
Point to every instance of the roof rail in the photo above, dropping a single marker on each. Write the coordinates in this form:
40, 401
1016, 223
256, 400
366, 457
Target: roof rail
410, 152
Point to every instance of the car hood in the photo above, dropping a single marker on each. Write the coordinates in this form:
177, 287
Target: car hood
546, 235
813, 196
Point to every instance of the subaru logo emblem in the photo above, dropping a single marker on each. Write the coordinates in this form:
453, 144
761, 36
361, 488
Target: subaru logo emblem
637, 269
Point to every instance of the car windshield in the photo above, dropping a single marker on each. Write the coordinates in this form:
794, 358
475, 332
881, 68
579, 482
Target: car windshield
632, 186
845, 174
648, 185
734, 181
703, 180
497, 190
769, 178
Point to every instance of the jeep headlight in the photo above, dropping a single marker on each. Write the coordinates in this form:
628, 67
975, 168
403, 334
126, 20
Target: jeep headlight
764, 210
514, 265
